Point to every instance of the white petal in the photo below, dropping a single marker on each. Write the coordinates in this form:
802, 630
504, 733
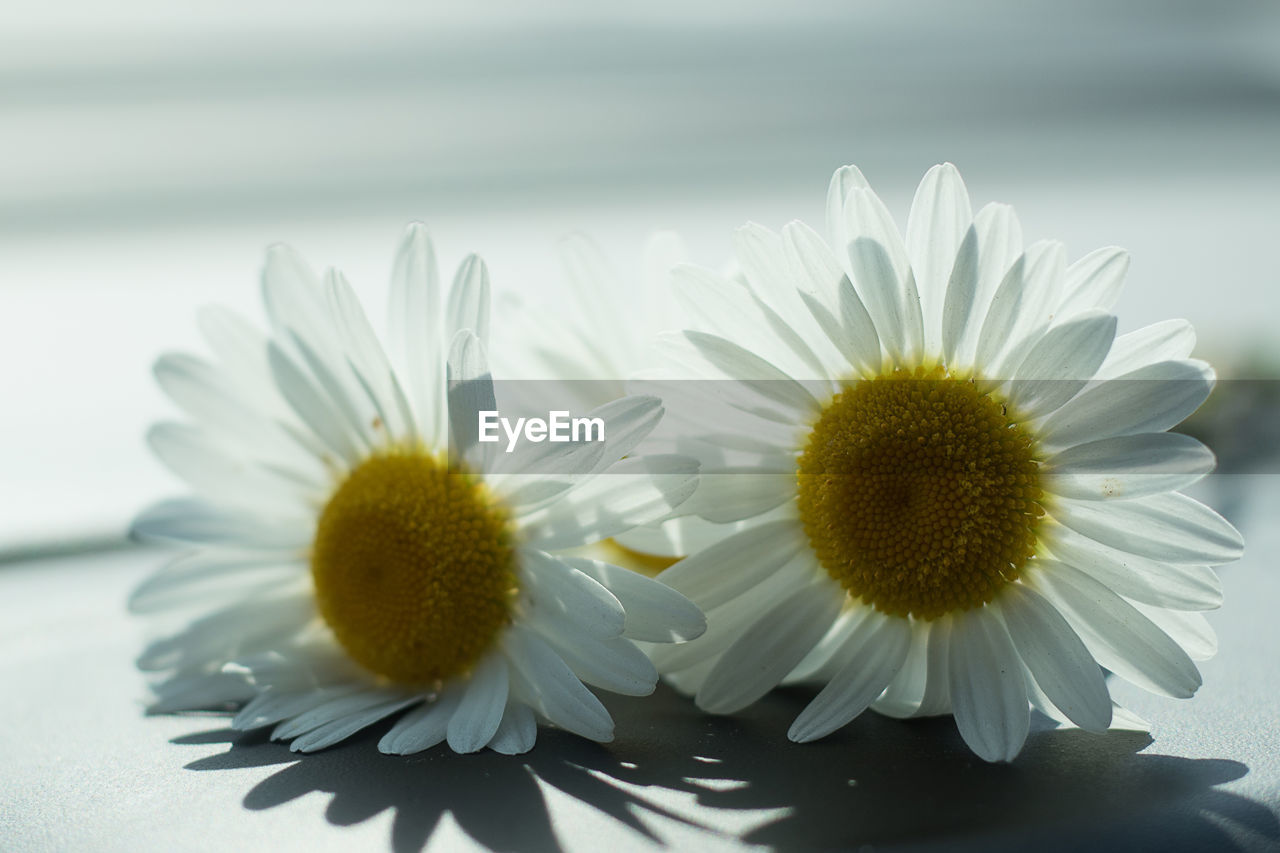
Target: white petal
557, 692
1149, 399
291, 295
830, 297
774, 279
988, 696
244, 626
196, 521
755, 410
760, 255
638, 490
727, 622
727, 496
1018, 317
301, 665
937, 687
572, 594
902, 698
368, 361
199, 692
999, 245
337, 385
1169, 340
1094, 281
272, 706
1060, 363
1124, 720
1061, 665
867, 218
824, 659
517, 732
338, 730
958, 301
819, 270
336, 709
1128, 466
690, 679
223, 476
731, 413
877, 650
202, 577
241, 348
936, 225
483, 701
314, 408
415, 327
214, 400
655, 612
615, 665
795, 332
844, 179
469, 300
852, 332
1043, 280
713, 303
1192, 631
421, 728
470, 392
896, 317
737, 362
729, 568
1168, 527
1116, 634
1172, 585
628, 421
997, 326
768, 650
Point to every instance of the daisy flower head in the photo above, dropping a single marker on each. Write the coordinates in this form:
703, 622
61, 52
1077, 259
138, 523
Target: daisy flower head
960, 488
357, 552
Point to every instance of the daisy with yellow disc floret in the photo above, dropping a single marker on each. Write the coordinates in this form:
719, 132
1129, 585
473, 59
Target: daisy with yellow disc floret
358, 553
960, 481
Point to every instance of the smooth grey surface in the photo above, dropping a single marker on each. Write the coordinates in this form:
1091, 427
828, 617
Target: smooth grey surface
83, 767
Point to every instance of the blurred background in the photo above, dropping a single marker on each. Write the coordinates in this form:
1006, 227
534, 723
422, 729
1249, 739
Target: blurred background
152, 152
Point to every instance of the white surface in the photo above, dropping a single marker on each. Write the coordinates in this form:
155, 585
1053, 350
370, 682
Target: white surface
84, 768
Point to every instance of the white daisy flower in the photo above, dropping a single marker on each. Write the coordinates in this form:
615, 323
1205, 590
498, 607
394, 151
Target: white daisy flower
961, 488
359, 553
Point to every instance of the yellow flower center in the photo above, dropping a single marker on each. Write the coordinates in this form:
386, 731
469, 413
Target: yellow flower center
413, 568
918, 494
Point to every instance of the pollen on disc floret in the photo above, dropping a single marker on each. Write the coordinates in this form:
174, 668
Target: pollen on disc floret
918, 494
414, 568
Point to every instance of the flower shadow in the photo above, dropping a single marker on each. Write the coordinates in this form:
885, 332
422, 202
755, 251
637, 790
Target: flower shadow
421, 789
878, 781
885, 781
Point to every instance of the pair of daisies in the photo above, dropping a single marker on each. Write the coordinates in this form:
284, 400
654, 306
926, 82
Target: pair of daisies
918, 469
